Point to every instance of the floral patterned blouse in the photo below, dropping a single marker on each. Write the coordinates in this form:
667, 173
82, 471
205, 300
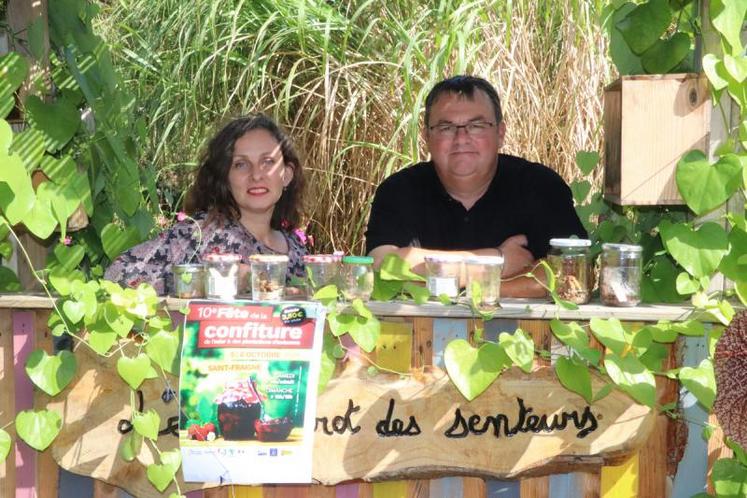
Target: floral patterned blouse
151, 261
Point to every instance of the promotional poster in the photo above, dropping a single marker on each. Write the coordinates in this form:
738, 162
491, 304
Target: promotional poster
248, 382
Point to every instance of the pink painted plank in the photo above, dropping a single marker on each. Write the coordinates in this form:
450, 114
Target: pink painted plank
346, 491
23, 344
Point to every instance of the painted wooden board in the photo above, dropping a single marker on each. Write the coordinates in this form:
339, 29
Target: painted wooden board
96, 401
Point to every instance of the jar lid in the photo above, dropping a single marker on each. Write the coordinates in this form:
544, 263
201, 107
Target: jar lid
484, 260
222, 258
444, 258
570, 242
268, 258
188, 268
358, 260
320, 258
238, 390
621, 247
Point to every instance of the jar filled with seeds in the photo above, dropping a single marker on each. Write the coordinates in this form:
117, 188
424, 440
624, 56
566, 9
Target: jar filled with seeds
620, 280
357, 277
222, 276
268, 276
189, 280
571, 263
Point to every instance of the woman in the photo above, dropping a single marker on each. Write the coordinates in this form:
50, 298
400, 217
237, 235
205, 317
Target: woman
246, 198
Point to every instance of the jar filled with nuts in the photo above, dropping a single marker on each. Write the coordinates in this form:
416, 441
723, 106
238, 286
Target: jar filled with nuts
570, 261
268, 276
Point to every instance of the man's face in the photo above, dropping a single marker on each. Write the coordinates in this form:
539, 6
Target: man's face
463, 160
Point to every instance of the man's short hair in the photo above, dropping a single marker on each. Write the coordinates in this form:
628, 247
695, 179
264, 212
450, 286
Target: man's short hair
465, 85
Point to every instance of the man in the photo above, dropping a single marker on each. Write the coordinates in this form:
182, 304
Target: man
469, 199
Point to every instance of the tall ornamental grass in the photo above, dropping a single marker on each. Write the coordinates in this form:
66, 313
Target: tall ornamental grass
349, 78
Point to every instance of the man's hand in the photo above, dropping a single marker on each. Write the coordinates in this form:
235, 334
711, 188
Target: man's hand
516, 257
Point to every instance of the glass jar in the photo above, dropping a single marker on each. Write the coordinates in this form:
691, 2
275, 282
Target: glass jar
442, 274
268, 276
620, 281
222, 276
321, 270
485, 271
189, 280
571, 263
357, 277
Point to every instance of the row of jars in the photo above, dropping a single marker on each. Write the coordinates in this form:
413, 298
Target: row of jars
620, 274
221, 276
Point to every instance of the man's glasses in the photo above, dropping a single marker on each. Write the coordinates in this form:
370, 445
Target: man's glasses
449, 130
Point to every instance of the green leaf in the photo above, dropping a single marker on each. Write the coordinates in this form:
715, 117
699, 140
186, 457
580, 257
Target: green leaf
161, 475
326, 295
727, 17
610, 333
419, 293
573, 335
603, 392
586, 161
133, 370
632, 377
471, 369
35, 36
395, 268
665, 55
365, 332
654, 356
16, 193
574, 376
715, 72
13, 69
74, 310
163, 349
519, 347
62, 280
38, 428
6, 137
733, 266
624, 59
701, 382
729, 478
41, 220
686, 285
698, 251
739, 453
5, 444
692, 328
445, 299
8, 280
703, 186
361, 308
580, 190
58, 120
130, 446
643, 26
61, 171
68, 257
146, 423
51, 374
29, 146
116, 239
736, 67
658, 285
328, 362
385, 290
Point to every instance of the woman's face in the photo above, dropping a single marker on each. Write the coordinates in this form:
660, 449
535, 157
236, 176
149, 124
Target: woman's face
258, 174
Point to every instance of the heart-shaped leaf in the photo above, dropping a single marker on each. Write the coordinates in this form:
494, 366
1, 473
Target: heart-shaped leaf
580, 190
573, 335
38, 428
130, 446
5, 444
715, 72
116, 239
519, 347
727, 17
161, 475
365, 332
624, 59
13, 69
632, 377
587, 161
665, 55
117, 320
733, 265
574, 376
58, 120
704, 186
8, 280
643, 26
686, 285
697, 251
419, 293
471, 369
395, 268
74, 310
163, 349
16, 193
133, 370
61, 171
68, 257
51, 374
610, 333
29, 146
146, 424
6, 137
729, 478
701, 382
736, 66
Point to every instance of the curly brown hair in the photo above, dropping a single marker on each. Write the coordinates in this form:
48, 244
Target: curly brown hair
211, 192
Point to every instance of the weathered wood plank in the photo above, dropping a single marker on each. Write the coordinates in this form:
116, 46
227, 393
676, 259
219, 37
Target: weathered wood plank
7, 402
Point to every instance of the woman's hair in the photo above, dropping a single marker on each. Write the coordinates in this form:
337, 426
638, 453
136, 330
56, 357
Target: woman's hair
211, 191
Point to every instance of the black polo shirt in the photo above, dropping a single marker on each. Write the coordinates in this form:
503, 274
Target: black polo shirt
411, 207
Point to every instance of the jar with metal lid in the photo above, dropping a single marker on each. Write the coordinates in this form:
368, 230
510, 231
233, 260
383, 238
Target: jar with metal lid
357, 277
321, 270
268, 276
571, 263
222, 276
484, 271
442, 274
189, 280
622, 270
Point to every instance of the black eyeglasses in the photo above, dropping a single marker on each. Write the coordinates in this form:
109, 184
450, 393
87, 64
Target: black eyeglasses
474, 129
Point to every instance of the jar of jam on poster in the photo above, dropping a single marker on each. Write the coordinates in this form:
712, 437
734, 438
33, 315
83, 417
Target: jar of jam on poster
239, 407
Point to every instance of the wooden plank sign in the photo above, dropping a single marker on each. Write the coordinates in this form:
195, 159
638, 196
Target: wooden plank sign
379, 428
